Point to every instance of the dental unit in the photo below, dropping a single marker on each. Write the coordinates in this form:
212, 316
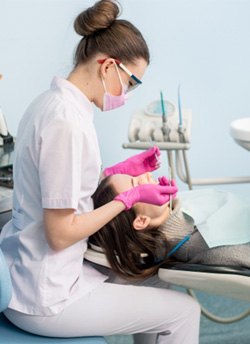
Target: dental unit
163, 124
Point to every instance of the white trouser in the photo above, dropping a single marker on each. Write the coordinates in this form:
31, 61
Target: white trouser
154, 314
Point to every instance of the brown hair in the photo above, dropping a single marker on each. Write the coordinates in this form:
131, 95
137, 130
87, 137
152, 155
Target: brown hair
103, 33
123, 245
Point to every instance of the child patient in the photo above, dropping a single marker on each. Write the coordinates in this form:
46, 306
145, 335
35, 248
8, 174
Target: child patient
204, 226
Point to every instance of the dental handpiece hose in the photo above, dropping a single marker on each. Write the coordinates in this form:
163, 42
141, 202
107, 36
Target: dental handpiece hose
180, 125
165, 129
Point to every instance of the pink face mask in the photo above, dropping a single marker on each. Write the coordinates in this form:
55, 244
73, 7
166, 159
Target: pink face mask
110, 101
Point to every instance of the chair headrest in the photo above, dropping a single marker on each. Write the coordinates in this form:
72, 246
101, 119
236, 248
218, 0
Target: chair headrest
5, 283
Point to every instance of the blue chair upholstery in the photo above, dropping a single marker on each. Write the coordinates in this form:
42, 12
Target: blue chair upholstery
11, 334
5, 283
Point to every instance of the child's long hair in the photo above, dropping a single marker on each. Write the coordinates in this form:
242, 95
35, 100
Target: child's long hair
133, 254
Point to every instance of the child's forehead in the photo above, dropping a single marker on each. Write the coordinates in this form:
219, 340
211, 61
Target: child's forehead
121, 181
119, 178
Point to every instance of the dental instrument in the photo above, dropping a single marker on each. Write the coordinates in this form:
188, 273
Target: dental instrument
179, 107
181, 129
164, 120
166, 136
171, 198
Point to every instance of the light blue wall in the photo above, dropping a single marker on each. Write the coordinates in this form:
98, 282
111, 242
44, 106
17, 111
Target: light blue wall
202, 44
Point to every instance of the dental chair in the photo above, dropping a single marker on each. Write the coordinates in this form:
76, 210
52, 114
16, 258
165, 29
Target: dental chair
233, 282
147, 128
11, 334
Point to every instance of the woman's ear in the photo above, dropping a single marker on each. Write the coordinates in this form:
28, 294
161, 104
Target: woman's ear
141, 222
105, 66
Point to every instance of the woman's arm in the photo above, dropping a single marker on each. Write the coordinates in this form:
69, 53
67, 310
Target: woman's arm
64, 228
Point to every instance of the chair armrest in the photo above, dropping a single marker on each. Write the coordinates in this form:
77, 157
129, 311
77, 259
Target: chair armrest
220, 269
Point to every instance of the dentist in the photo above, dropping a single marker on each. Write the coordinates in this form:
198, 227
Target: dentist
56, 170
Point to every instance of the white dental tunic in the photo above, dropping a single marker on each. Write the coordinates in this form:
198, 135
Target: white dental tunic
57, 166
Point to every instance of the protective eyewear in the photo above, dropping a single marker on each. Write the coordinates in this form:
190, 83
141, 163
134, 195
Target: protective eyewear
133, 80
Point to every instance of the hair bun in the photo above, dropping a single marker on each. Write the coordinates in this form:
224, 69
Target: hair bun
98, 17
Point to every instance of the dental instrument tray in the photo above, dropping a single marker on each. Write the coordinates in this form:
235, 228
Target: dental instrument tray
149, 124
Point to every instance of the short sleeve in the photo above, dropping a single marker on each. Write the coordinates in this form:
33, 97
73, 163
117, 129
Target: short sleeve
60, 164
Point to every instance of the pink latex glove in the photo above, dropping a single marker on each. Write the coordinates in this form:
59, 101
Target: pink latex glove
147, 193
165, 181
147, 161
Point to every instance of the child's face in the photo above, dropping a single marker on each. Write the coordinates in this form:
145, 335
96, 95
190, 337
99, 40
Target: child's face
124, 182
